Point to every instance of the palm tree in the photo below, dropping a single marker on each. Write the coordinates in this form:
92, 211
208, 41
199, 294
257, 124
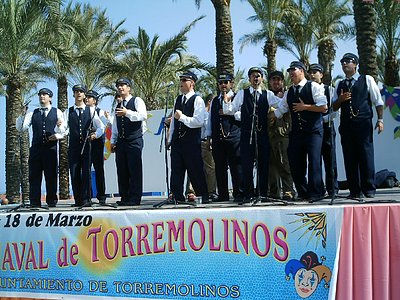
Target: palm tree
152, 64
296, 34
22, 23
366, 29
328, 25
388, 13
223, 35
269, 13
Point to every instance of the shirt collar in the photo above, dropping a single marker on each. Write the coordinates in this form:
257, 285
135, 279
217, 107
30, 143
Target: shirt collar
301, 83
82, 106
259, 90
188, 95
355, 76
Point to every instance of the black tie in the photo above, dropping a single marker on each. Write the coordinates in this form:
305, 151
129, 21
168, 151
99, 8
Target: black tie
79, 111
184, 99
255, 97
297, 91
43, 111
349, 83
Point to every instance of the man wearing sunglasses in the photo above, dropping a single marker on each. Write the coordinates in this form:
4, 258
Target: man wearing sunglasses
189, 116
355, 96
223, 133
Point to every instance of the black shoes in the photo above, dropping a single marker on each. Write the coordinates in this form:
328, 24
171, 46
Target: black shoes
125, 203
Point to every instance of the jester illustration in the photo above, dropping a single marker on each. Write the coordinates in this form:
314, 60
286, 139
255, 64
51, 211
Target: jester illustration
307, 273
391, 97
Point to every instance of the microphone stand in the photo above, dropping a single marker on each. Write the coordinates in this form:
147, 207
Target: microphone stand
164, 139
89, 141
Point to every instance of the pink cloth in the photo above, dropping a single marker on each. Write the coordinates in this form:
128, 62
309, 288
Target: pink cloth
369, 265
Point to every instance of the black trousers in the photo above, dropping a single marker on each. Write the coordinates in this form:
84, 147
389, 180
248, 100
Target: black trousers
247, 157
97, 155
79, 167
226, 152
43, 159
186, 156
328, 152
358, 155
303, 147
128, 158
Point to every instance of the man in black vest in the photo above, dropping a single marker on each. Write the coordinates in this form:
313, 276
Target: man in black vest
97, 146
355, 96
306, 102
127, 142
223, 133
253, 101
328, 150
185, 140
47, 127
83, 127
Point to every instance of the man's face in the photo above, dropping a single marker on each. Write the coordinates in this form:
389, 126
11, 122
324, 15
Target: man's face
224, 86
255, 79
79, 96
296, 75
186, 85
44, 99
316, 76
123, 90
90, 101
349, 66
276, 83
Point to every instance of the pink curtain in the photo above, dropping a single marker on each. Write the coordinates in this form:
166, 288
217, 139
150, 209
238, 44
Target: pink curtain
369, 259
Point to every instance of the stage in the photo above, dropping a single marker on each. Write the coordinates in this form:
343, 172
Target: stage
270, 250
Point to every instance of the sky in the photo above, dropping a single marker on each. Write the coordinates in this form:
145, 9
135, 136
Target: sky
166, 18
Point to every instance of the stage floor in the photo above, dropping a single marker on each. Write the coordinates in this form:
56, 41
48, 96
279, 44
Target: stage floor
382, 196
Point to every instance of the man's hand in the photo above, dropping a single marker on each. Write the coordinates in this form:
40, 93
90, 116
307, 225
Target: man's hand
209, 143
93, 136
121, 111
344, 96
297, 107
53, 137
178, 114
113, 147
59, 122
379, 126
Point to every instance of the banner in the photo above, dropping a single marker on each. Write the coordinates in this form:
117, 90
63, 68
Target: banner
231, 253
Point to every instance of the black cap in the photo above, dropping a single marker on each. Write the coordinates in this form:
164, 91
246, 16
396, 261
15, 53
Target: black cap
45, 91
123, 80
255, 69
79, 87
225, 77
190, 75
316, 67
275, 74
350, 56
91, 93
296, 64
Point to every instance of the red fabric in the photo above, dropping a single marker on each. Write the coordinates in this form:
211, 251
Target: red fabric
369, 259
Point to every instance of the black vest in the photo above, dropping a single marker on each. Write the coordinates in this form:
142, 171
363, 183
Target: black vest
261, 113
78, 127
181, 131
42, 128
360, 106
222, 126
128, 130
304, 121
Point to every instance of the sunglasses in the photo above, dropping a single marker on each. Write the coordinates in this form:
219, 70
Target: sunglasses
223, 82
347, 61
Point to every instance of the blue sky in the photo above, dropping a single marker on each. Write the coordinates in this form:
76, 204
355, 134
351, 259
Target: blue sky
166, 18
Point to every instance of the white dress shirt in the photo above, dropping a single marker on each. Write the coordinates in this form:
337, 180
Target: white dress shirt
134, 116
25, 121
199, 115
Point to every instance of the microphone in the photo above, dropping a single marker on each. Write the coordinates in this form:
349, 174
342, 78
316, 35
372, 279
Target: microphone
27, 102
170, 84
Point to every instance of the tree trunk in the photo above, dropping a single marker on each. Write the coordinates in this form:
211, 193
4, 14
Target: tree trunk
223, 36
392, 71
63, 173
270, 48
13, 109
365, 23
24, 148
326, 57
